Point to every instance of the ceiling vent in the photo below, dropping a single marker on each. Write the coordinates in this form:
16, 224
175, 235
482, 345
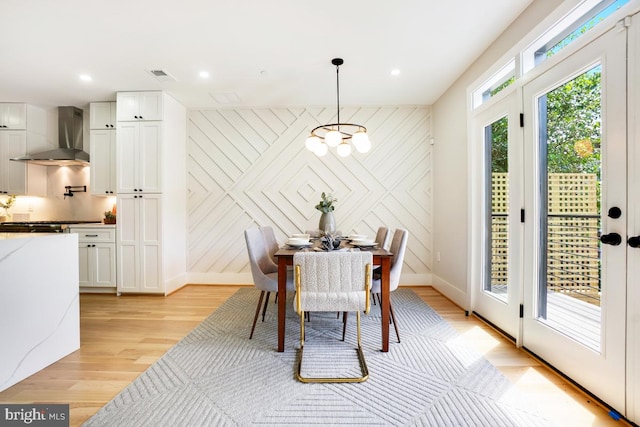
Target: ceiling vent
162, 75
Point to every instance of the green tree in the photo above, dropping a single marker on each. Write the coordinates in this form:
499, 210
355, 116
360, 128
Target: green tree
573, 116
574, 119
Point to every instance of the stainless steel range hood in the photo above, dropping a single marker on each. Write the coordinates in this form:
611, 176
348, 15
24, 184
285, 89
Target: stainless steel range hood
69, 151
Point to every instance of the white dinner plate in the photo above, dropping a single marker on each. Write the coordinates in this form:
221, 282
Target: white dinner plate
365, 245
299, 245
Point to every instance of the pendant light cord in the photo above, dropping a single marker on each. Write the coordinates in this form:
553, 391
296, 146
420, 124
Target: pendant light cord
338, 92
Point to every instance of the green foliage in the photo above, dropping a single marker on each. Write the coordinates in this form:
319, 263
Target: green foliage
6, 205
573, 114
326, 203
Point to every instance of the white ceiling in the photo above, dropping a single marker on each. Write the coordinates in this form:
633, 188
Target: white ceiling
265, 52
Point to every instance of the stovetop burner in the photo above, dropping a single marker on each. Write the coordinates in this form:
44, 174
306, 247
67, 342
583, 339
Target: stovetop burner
48, 222
40, 226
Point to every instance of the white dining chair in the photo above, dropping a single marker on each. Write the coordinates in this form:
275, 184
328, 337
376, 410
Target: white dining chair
398, 248
270, 242
382, 237
263, 271
332, 281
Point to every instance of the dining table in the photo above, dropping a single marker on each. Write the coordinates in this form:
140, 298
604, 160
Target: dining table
381, 257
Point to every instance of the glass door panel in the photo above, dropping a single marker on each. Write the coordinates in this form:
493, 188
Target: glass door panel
569, 283
497, 205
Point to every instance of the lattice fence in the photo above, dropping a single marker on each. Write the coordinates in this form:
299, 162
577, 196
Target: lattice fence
573, 265
499, 231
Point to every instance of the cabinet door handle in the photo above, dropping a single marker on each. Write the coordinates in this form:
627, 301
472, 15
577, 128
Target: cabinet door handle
90, 235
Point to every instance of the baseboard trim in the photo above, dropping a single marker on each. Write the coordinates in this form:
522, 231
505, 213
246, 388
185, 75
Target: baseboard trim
450, 291
245, 278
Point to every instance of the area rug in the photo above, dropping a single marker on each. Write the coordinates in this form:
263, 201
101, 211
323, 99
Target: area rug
216, 376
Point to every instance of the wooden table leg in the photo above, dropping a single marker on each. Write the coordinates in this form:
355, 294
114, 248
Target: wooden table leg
282, 301
385, 265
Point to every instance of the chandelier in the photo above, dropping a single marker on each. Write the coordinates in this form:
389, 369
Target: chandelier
337, 135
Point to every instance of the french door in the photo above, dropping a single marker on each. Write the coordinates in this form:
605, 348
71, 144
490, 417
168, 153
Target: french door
498, 179
555, 205
575, 179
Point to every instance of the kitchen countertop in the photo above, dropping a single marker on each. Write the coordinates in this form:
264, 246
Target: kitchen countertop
7, 236
95, 225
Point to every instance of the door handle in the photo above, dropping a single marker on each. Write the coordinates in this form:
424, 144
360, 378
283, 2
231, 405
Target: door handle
615, 212
634, 241
612, 239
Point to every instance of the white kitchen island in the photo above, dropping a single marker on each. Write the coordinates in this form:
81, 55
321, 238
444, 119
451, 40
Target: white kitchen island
39, 302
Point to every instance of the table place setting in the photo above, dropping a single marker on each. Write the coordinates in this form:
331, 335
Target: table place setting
298, 241
328, 242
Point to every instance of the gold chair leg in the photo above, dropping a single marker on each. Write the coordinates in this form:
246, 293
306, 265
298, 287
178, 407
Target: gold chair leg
361, 360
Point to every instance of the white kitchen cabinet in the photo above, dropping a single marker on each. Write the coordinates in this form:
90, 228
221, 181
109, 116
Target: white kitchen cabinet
102, 115
138, 106
13, 175
139, 237
13, 115
96, 255
138, 157
20, 178
103, 162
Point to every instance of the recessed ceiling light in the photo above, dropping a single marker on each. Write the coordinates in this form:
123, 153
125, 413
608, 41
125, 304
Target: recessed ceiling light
85, 77
395, 72
204, 74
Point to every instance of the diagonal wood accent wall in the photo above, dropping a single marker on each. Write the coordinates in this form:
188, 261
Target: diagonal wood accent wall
249, 167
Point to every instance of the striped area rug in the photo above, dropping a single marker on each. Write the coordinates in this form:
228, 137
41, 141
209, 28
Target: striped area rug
216, 376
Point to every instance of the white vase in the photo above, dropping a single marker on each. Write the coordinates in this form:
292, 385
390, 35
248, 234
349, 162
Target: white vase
327, 222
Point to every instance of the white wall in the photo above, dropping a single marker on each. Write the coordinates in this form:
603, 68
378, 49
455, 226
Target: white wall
450, 172
249, 167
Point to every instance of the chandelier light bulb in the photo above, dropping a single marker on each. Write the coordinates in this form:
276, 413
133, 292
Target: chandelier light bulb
333, 138
361, 141
344, 149
312, 142
321, 149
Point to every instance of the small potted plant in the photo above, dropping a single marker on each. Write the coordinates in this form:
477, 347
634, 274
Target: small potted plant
6, 205
109, 218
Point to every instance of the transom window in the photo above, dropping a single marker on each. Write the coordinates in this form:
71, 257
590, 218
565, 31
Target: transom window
572, 26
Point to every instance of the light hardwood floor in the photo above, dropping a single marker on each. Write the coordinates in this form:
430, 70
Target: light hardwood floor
122, 336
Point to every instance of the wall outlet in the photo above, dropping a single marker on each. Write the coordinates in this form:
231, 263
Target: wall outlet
438, 256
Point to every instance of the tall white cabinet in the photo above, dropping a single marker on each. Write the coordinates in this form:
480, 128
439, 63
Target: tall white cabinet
151, 186
102, 135
22, 130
